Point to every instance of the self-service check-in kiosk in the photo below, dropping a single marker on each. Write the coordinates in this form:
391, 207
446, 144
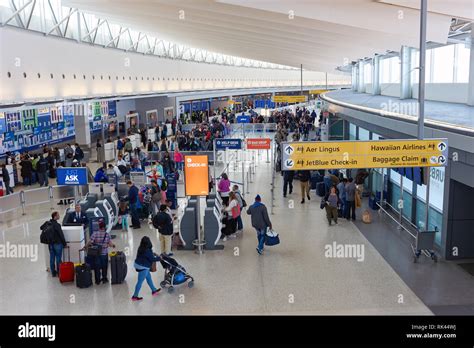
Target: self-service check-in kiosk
107, 212
187, 230
213, 226
93, 214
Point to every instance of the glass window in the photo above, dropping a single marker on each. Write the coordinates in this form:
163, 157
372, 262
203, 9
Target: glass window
407, 202
395, 69
395, 177
352, 131
367, 72
364, 134
443, 69
375, 136
462, 62
407, 184
385, 70
437, 188
435, 220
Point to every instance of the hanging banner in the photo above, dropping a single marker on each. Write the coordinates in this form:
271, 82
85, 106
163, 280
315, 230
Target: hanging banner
196, 175
364, 154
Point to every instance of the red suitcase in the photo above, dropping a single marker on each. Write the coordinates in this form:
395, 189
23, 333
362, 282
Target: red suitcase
66, 270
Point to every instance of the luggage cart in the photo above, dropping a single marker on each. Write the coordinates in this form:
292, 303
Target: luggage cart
424, 245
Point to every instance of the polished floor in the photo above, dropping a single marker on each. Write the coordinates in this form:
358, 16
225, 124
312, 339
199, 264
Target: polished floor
294, 277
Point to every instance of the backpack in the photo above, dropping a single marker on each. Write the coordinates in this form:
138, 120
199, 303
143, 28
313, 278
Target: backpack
42, 166
47, 233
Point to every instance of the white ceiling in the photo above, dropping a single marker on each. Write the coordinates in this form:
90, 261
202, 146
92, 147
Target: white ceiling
322, 35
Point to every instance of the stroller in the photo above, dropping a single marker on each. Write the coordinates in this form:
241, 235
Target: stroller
174, 274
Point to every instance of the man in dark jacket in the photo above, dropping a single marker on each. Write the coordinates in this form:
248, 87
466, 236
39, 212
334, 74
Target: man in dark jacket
260, 221
133, 202
79, 154
164, 225
57, 244
42, 170
26, 171
305, 177
288, 181
6, 179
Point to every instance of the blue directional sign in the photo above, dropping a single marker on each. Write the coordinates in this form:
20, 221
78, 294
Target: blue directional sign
230, 144
243, 119
72, 176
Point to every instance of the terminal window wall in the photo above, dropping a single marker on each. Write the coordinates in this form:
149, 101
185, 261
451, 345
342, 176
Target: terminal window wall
390, 70
446, 64
352, 132
368, 73
395, 194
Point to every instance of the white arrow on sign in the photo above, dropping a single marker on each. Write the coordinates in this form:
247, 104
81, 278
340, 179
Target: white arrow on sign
441, 159
289, 163
289, 150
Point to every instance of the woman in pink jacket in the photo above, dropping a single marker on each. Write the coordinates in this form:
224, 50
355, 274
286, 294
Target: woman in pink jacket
178, 159
224, 188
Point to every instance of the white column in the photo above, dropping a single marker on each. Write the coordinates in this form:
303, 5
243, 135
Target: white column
81, 125
470, 96
405, 75
361, 87
355, 76
376, 75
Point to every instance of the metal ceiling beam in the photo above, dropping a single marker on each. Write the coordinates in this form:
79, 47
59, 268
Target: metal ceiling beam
16, 13
71, 12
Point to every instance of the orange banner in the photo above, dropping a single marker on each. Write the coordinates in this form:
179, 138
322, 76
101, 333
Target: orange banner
258, 144
196, 175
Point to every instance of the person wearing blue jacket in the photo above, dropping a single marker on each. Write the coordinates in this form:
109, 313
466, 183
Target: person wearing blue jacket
133, 202
100, 175
143, 263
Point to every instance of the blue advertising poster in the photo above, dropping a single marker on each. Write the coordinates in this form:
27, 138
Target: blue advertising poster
3, 123
231, 144
72, 176
9, 136
112, 108
60, 126
243, 119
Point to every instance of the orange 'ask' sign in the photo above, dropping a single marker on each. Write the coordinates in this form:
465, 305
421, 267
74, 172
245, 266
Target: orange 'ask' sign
196, 175
258, 144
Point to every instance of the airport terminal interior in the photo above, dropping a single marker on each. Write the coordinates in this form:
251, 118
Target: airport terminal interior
281, 157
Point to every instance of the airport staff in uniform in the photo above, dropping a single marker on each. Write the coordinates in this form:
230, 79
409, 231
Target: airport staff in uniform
77, 216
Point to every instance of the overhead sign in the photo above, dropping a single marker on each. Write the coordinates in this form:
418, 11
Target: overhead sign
196, 175
243, 119
318, 91
228, 144
365, 154
258, 143
289, 98
72, 176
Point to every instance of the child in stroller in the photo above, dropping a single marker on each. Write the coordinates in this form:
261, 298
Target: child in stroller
175, 274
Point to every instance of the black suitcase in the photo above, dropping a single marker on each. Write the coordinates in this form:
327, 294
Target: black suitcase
321, 189
118, 267
83, 276
315, 179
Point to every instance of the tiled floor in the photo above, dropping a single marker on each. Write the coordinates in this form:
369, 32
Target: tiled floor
293, 278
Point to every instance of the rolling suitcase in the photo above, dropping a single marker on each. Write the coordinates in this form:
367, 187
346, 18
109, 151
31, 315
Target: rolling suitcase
66, 270
83, 275
315, 179
321, 189
118, 267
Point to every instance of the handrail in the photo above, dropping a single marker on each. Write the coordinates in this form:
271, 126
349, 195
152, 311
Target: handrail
398, 223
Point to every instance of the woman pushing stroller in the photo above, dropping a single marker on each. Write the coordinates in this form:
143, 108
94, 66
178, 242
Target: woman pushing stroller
143, 265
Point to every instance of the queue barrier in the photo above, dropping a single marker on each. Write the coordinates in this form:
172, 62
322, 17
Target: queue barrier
38, 196
157, 156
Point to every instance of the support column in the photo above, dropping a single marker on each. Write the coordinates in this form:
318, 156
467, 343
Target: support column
355, 76
470, 88
360, 79
81, 125
405, 73
376, 75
